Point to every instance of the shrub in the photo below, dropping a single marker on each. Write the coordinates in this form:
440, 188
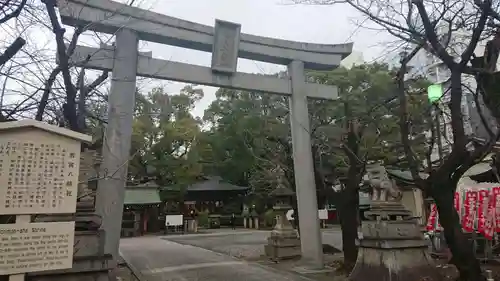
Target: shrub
203, 220
269, 218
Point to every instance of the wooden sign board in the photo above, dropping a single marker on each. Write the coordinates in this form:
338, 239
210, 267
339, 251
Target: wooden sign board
34, 247
39, 167
174, 220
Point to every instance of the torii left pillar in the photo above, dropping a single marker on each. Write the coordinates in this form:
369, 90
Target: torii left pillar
116, 145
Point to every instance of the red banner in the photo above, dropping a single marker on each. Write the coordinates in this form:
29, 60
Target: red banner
456, 203
431, 221
482, 209
469, 210
489, 227
496, 196
439, 227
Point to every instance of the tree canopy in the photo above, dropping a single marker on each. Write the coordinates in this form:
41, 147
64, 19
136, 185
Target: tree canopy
244, 136
164, 132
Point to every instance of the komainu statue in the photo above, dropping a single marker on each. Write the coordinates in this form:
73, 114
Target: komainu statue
383, 188
392, 246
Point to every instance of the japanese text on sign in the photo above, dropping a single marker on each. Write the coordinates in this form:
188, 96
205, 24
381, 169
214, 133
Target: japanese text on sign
37, 178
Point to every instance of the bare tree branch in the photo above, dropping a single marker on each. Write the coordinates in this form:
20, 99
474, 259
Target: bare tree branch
476, 34
69, 109
404, 122
431, 35
15, 13
46, 92
12, 50
479, 109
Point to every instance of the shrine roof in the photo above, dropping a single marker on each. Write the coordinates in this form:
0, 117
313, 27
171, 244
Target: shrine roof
140, 196
28, 123
147, 185
209, 183
215, 184
403, 174
403, 178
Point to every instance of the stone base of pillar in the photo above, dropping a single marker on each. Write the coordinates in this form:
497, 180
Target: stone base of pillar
195, 226
393, 250
394, 264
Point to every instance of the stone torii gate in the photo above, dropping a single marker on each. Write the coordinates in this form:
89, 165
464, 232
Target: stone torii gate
227, 44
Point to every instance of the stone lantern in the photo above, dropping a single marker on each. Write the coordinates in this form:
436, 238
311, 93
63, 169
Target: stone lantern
246, 216
284, 242
254, 218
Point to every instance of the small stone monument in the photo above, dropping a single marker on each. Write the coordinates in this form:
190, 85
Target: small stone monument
254, 217
284, 242
246, 215
392, 247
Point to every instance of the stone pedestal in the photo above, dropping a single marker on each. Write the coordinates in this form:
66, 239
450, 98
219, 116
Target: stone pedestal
278, 248
393, 248
191, 226
137, 223
256, 223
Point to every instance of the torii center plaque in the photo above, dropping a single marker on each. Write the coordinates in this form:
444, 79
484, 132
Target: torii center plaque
225, 49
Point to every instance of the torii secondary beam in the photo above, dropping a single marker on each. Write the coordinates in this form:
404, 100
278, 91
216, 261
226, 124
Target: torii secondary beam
102, 59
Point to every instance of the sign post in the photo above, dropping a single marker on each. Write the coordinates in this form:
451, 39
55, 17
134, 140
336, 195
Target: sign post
39, 166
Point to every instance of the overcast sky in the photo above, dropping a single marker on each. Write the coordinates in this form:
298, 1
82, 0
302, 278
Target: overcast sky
271, 18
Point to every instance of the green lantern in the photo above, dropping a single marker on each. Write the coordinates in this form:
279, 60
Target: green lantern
434, 92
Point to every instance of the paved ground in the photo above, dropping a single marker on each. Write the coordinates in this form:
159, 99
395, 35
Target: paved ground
156, 259
242, 244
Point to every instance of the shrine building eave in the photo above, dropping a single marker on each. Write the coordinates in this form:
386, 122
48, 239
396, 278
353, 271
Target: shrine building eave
28, 123
142, 196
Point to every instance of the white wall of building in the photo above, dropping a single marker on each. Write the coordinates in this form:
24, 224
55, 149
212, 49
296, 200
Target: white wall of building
355, 58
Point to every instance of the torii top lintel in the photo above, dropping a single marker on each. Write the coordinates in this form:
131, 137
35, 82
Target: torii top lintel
109, 16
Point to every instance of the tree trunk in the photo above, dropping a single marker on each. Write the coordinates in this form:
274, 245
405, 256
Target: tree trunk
464, 257
349, 199
348, 209
296, 219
